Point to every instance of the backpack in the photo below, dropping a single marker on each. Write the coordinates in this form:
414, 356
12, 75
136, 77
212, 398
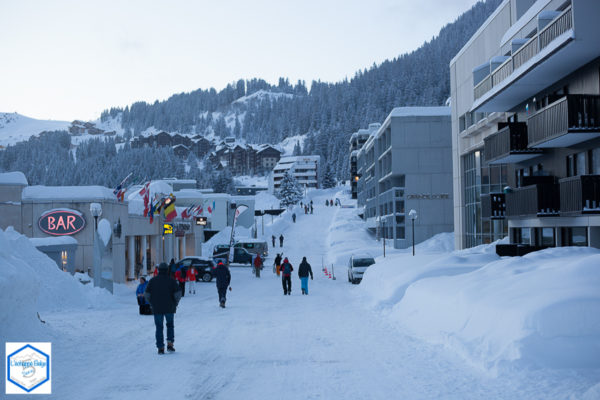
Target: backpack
287, 268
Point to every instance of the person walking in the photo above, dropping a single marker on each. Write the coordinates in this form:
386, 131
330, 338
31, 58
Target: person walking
139, 292
278, 264
311, 207
327, 202
172, 268
191, 278
281, 240
258, 262
273, 239
294, 217
304, 270
181, 276
223, 280
286, 276
163, 294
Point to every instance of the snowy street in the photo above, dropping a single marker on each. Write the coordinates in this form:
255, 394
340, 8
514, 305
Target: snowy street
268, 346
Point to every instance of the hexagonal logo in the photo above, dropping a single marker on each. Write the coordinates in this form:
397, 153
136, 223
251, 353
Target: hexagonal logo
28, 368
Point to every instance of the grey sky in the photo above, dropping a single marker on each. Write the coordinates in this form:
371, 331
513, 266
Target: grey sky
72, 59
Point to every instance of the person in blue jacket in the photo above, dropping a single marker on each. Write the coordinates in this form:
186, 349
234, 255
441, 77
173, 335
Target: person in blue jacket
139, 292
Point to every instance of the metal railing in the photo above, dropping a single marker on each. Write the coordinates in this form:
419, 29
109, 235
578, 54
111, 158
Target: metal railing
535, 200
493, 205
502, 72
483, 87
560, 25
511, 138
525, 52
580, 194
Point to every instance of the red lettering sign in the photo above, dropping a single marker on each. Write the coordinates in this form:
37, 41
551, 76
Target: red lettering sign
61, 222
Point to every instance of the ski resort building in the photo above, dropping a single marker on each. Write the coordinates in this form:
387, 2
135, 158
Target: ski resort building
305, 169
525, 93
404, 165
357, 140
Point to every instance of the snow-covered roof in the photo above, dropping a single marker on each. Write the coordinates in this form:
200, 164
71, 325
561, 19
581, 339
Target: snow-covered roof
54, 240
420, 111
68, 193
13, 178
530, 14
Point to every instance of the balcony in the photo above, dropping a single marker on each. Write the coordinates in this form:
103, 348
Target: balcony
580, 195
493, 205
570, 120
564, 45
509, 145
539, 199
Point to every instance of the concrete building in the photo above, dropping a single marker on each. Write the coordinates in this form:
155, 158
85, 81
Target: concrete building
404, 165
526, 115
304, 168
357, 140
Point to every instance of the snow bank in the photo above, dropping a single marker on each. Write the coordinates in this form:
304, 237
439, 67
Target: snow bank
13, 178
30, 282
265, 201
223, 237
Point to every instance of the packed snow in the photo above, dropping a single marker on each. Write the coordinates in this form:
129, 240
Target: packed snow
441, 324
13, 178
18, 128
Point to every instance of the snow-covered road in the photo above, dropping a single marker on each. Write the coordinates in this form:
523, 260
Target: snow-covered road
269, 346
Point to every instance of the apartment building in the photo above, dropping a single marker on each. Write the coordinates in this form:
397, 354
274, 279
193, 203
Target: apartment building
304, 168
357, 140
406, 164
525, 94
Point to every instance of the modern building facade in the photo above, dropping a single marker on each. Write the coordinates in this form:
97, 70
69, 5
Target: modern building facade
525, 93
357, 140
403, 165
304, 168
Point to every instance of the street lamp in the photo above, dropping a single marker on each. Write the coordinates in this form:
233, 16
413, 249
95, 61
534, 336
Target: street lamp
412, 214
96, 211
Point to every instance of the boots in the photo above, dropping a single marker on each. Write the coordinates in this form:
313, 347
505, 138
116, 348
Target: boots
170, 347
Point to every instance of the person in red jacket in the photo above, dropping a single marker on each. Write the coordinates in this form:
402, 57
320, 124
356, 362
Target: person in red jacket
156, 270
257, 265
286, 278
180, 276
191, 277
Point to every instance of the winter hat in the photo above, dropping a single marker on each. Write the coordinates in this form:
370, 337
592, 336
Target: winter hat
163, 266
285, 260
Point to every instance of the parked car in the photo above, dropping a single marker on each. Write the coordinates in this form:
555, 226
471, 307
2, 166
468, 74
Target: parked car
240, 255
254, 246
205, 267
357, 265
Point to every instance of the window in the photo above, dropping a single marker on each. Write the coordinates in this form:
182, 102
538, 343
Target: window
576, 236
400, 232
546, 237
595, 161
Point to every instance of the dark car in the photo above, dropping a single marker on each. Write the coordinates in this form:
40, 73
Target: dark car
240, 255
205, 267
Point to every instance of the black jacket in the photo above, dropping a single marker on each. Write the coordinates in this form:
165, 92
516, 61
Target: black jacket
304, 269
223, 276
278, 260
163, 294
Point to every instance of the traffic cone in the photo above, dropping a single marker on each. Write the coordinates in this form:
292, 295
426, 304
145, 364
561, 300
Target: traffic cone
325, 270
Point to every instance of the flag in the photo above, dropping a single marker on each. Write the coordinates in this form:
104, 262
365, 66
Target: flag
169, 208
145, 189
119, 191
188, 212
151, 212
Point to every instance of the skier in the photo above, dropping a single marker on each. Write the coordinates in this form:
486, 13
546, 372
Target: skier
286, 277
258, 262
144, 306
191, 277
223, 280
163, 294
278, 264
281, 240
294, 217
180, 276
303, 271
273, 239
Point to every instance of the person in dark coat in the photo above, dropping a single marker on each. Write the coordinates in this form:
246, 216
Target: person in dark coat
273, 239
163, 294
327, 203
281, 240
181, 277
172, 268
278, 264
139, 292
223, 280
304, 270
294, 217
286, 276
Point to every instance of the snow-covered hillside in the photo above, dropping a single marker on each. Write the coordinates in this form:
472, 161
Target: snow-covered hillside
17, 128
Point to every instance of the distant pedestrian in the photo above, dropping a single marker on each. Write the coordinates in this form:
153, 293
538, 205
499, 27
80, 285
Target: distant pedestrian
286, 276
181, 277
191, 278
172, 268
163, 294
273, 240
327, 203
303, 271
294, 217
278, 264
142, 303
155, 270
331, 202
281, 240
301, 205
223, 280
311, 207
258, 262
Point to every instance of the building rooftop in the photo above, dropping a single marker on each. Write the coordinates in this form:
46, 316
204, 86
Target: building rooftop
68, 193
13, 178
420, 111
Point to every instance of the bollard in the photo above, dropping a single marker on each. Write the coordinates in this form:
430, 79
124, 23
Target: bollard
332, 272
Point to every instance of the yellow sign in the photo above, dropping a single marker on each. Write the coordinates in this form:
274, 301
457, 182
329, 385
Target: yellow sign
167, 229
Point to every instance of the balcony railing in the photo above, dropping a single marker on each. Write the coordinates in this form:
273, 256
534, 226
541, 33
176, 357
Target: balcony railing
509, 144
493, 205
572, 113
541, 200
553, 30
580, 195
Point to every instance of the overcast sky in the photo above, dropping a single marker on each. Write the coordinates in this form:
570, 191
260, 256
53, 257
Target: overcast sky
72, 59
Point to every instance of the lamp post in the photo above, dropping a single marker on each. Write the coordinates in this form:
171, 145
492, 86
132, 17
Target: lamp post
96, 211
383, 229
412, 214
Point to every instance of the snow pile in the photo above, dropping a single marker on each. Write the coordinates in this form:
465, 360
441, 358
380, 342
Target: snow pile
104, 231
223, 237
265, 201
30, 282
13, 178
540, 309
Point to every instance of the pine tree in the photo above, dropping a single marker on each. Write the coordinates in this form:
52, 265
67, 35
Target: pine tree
329, 180
297, 149
290, 191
